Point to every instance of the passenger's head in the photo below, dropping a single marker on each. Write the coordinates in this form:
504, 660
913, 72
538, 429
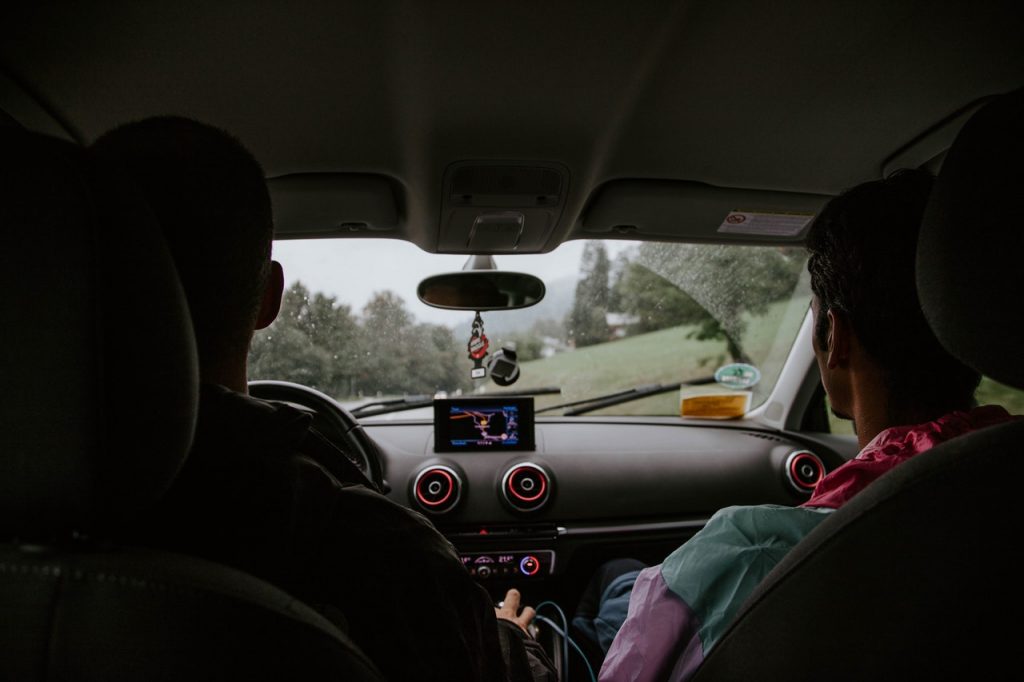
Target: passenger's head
862, 251
210, 196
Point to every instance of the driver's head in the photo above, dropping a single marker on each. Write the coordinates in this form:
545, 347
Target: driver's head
862, 249
210, 195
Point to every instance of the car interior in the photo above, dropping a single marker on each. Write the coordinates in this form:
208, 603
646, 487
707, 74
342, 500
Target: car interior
692, 140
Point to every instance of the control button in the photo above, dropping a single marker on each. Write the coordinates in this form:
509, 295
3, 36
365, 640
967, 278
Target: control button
525, 564
526, 487
437, 489
529, 565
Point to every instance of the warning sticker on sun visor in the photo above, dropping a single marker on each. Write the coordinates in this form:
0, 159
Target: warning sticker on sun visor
765, 224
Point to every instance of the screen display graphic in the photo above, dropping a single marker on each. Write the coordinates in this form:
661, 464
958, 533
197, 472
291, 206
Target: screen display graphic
483, 424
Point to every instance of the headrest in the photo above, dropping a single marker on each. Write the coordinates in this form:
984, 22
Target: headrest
971, 248
98, 364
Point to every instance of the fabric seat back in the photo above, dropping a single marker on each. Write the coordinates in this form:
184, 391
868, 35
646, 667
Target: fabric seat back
918, 576
97, 412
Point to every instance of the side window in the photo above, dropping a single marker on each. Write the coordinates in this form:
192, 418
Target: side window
993, 393
815, 417
840, 427
818, 416
989, 393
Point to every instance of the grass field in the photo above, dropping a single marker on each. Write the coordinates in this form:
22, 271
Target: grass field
665, 356
659, 357
670, 355
993, 393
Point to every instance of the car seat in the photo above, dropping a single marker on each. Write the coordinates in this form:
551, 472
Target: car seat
97, 408
918, 577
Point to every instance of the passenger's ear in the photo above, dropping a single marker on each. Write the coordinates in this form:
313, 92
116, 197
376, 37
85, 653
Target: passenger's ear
270, 306
837, 346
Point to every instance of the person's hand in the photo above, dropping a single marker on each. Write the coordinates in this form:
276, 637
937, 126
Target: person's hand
509, 610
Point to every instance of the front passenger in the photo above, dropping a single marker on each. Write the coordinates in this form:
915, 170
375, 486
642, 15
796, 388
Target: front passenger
881, 366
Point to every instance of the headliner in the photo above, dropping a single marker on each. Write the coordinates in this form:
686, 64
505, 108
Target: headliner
802, 97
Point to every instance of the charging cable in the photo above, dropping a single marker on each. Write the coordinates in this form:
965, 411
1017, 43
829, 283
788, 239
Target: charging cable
567, 641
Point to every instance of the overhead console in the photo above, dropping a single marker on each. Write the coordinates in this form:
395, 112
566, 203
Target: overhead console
491, 207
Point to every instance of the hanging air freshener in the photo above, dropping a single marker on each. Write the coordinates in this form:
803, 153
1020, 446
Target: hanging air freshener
477, 348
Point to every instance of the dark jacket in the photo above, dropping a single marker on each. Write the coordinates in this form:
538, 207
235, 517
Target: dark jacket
251, 497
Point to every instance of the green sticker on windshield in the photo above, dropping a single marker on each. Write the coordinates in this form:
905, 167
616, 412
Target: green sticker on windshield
738, 375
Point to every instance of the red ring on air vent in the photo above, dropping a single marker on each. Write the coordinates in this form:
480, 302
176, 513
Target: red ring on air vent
437, 488
804, 470
512, 485
518, 484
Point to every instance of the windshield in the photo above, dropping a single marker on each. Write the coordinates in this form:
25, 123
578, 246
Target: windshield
617, 315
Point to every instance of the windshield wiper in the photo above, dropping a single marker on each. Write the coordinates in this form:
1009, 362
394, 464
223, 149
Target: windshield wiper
628, 395
411, 402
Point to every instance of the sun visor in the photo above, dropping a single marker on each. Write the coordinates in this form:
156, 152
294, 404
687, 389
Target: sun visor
335, 204
501, 207
690, 211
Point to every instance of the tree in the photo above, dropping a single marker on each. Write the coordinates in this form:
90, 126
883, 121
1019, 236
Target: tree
385, 314
441, 362
587, 323
283, 352
728, 281
620, 266
312, 342
319, 343
401, 357
384, 340
653, 300
526, 345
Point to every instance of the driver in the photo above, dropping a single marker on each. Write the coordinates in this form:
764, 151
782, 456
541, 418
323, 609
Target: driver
253, 492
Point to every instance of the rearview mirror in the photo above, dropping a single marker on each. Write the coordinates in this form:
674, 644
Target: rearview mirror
481, 290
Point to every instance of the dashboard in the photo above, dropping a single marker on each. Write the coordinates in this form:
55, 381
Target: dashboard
591, 488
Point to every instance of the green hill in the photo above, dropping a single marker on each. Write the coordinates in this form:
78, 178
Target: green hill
664, 356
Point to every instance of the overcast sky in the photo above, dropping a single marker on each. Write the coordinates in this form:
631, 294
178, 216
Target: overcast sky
354, 269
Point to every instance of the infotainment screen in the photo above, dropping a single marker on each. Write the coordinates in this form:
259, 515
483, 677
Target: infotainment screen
465, 424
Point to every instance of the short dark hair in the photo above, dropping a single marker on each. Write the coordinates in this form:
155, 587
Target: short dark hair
210, 195
862, 249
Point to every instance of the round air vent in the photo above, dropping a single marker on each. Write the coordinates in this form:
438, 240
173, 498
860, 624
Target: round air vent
437, 489
803, 471
526, 487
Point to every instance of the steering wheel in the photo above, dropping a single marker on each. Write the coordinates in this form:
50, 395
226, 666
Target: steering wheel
332, 420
